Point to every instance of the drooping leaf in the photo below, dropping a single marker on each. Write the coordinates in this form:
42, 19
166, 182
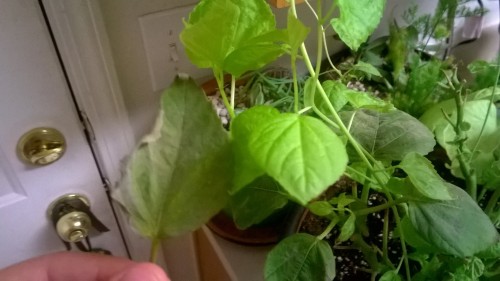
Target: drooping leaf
389, 135
300, 257
232, 35
424, 178
368, 69
297, 33
300, 152
358, 19
347, 228
391, 275
173, 183
457, 227
339, 96
320, 208
257, 201
245, 169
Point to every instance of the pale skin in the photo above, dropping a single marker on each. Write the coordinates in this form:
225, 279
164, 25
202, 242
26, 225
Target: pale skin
70, 266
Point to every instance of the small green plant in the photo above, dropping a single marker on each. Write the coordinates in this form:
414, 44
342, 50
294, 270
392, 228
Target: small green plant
189, 168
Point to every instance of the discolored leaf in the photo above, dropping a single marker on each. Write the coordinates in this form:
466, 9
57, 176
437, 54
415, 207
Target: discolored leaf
173, 183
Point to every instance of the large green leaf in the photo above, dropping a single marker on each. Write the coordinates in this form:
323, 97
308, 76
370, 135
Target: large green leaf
245, 168
175, 180
457, 227
232, 35
474, 115
389, 135
300, 152
358, 19
424, 178
257, 201
300, 257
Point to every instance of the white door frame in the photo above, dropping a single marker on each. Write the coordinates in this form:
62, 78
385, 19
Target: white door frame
79, 32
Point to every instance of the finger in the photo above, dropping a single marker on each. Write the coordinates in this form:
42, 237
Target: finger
73, 267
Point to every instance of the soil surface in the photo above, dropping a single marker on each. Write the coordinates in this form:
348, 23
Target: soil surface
350, 263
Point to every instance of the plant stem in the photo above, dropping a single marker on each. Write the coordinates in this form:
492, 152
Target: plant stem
233, 90
492, 202
380, 207
155, 245
295, 84
329, 228
219, 77
355, 144
385, 238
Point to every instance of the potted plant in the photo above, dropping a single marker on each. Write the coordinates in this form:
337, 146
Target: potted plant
190, 167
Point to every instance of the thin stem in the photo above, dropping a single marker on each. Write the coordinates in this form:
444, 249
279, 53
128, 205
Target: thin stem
329, 228
233, 90
155, 245
295, 84
489, 107
219, 77
381, 207
385, 238
492, 202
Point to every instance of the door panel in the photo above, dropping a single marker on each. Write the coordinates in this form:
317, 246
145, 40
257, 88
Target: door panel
34, 93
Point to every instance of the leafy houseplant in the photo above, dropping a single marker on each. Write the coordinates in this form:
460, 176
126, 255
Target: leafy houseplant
189, 168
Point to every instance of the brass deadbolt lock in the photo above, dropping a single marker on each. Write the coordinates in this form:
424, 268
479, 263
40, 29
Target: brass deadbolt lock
41, 146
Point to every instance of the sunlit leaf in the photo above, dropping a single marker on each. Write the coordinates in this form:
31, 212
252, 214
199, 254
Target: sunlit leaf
300, 152
358, 19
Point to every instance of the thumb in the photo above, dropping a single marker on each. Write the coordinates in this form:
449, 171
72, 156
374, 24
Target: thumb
142, 272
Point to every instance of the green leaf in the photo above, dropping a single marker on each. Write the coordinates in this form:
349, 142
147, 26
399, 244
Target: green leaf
457, 227
300, 152
492, 252
422, 88
320, 208
367, 68
424, 178
300, 257
413, 238
391, 275
389, 135
245, 169
348, 228
257, 201
474, 114
297, 33
342, 201
358, 19
232, 35
174, 183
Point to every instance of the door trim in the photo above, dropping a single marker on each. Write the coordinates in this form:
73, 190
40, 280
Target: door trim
81, 39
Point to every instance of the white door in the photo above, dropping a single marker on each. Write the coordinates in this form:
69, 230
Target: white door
34, 93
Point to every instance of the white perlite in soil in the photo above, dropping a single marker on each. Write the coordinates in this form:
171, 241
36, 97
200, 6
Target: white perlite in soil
219, 107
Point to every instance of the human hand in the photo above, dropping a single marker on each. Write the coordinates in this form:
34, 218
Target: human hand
71, 266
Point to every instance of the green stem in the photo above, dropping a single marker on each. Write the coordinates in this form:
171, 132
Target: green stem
155, 245
219, 77
355, 145
295, 84
329, 228
385, 239
492, 202
233, 90
381, 207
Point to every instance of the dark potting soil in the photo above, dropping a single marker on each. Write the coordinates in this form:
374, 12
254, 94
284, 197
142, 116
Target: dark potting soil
351, 264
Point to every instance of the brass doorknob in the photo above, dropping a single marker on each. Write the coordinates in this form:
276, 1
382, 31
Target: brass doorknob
73, 220
74, 226
41, 146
